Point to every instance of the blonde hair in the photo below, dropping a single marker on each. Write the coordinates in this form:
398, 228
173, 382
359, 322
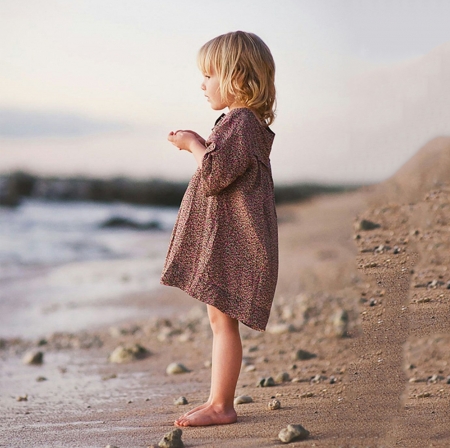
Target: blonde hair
246, 70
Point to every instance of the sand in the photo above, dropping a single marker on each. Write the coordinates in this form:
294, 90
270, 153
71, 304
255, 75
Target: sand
372, 305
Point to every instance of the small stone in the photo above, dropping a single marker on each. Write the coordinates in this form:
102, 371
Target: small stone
317, 378
372, 302
424, 395
332, 379
33, 358
340, 323
41, 378
111, 446
180, 401
172, 439
365, 224
303, 355
274, 404
307, 395
128, 353
283, 377
424, 300
175, 368
266, 382
281, 329
293, 432
22, 398
250, 368
243, 399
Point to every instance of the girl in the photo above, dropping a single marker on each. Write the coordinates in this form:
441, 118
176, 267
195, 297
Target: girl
224, 247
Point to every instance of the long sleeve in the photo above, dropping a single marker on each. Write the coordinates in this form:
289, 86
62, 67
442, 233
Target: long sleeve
228, 156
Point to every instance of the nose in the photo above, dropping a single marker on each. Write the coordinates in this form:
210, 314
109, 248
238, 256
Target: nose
202, 85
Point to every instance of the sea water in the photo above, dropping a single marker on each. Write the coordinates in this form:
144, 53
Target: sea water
61, 270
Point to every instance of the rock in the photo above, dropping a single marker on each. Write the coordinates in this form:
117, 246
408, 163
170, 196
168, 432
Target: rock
372, 302
365, 224
340, 323
33, 358
111, 446
127, 353
22, 398
448, 380
125, 223
303, 355
175, 368
242, 399
274, 404
280, 328
172, 439
333, 379
293, 432
318, 378
250, 368
283, 377
266, 382
180, 401
41, 378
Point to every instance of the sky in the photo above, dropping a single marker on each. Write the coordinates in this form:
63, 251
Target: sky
93, 87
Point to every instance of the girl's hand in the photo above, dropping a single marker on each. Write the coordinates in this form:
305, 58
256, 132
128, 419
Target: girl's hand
183, 139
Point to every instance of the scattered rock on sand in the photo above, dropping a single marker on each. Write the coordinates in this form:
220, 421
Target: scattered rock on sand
283, 377
292, 433
127, 353
365, 224
242, 399
303, 355
180, 401
176, 367
33, 358
281, 328
274, 404
172, 439
266, 382
340, 323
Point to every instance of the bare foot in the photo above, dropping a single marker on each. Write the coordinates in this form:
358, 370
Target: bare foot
209, 415
198, 408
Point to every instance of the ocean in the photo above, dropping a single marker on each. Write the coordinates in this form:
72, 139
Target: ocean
62, 269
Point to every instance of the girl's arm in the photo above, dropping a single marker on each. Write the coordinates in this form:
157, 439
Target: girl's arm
189, 141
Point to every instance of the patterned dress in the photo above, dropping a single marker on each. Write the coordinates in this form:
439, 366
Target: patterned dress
224, 246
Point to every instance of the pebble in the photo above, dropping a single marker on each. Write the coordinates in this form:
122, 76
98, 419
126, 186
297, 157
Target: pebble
303, 355
281, 329
242, 399
180, 401
266, 382
33, 358
332, 379
372, 302
448, 379
365, 224
175, 368
111, 446
41, 378
250, 368
292, 433
172, 439
340, 323
318, 378
127, 353
22, 398
283, 377
274, 404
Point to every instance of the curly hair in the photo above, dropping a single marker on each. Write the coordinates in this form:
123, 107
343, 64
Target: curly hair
246, 70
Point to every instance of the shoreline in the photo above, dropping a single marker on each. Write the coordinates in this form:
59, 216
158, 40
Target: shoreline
379, 372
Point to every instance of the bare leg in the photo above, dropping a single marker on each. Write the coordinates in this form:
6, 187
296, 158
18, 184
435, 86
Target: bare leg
226, 365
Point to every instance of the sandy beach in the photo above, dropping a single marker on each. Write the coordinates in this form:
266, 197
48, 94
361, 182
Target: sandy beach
363, 294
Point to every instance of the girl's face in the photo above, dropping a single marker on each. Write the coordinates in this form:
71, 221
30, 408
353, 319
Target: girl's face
210, 86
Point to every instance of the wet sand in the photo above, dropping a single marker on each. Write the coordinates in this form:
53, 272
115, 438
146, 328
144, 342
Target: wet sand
372, 305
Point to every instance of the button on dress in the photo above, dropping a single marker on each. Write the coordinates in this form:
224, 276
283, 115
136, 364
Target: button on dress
224, 245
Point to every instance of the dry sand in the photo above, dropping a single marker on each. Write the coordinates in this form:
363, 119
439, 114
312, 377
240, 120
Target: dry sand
372, 305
